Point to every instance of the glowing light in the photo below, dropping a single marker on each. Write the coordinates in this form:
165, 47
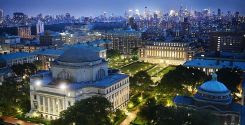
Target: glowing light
63, 86
140, 99
38, 83
131, 105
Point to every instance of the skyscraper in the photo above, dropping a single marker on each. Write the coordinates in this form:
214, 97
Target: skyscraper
40, 27
1, 16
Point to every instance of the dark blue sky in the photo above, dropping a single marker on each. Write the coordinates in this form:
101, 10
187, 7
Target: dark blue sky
118, 7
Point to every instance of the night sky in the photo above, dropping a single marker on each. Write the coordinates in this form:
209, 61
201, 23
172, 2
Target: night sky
118, 7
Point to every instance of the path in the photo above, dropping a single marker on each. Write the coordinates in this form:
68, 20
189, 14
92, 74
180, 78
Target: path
130, 117
14, 121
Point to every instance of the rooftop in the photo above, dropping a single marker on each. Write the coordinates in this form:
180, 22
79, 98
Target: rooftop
79, 55
49, 52
46, 78
212, 63
17, 55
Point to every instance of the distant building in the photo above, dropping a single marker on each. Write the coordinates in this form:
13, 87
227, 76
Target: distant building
106, 44
46, 56
213, 65
1, 16
19, 17
227, 42
18, 58
74, 37
40, 27
49, 38
23, 48
24, 32
75, 76
123, 40
216, 98
4, 48
166, 53
6, 39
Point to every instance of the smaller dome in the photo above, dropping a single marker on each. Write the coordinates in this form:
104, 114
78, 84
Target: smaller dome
213, 85
79, 55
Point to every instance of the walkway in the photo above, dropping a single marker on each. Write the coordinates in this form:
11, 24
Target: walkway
130, 117
14, 121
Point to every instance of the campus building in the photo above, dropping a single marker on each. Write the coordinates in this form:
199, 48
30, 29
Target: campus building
167, 53
216, 98
73, 77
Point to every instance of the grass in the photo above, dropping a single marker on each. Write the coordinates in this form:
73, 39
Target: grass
119, 62
164, 71
155, 70
136, 67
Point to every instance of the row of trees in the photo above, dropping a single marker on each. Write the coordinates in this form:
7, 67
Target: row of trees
14, 94
15, 97
92, 111
155, 113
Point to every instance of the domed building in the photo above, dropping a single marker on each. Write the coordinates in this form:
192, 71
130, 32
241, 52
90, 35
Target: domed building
214, 97
79, 73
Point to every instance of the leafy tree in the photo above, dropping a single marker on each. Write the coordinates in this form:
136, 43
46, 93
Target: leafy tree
92, 111
160, 115
14, 97
176, 80
230, 77
141, 81
24, 69
148, 111
38, 64
135, 53
113, 54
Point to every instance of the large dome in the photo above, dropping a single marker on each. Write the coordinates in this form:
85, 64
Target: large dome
79, 55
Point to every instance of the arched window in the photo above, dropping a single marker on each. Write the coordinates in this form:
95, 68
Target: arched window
63, 75
100, 74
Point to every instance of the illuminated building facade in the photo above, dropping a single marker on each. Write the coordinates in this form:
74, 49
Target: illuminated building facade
24, 32
168, 53
123, 40
75, 76
227, 42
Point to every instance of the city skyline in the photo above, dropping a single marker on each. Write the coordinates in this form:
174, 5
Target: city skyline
94, 7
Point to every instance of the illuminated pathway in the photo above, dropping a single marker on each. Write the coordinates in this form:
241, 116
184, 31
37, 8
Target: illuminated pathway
130, 117
13, 120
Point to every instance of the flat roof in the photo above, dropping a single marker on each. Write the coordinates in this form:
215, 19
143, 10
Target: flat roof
49, 52
16, 55
46, 78
212, 63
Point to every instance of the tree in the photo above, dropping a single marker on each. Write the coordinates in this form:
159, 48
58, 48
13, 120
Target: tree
14, 97
135, 53
141, 81
148, 111
113, 54
176, 80
230, 77
24, 69
92, 111
183, 116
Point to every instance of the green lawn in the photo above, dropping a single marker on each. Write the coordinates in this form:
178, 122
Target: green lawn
164, 71
155, 70
136, 67
119, 62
